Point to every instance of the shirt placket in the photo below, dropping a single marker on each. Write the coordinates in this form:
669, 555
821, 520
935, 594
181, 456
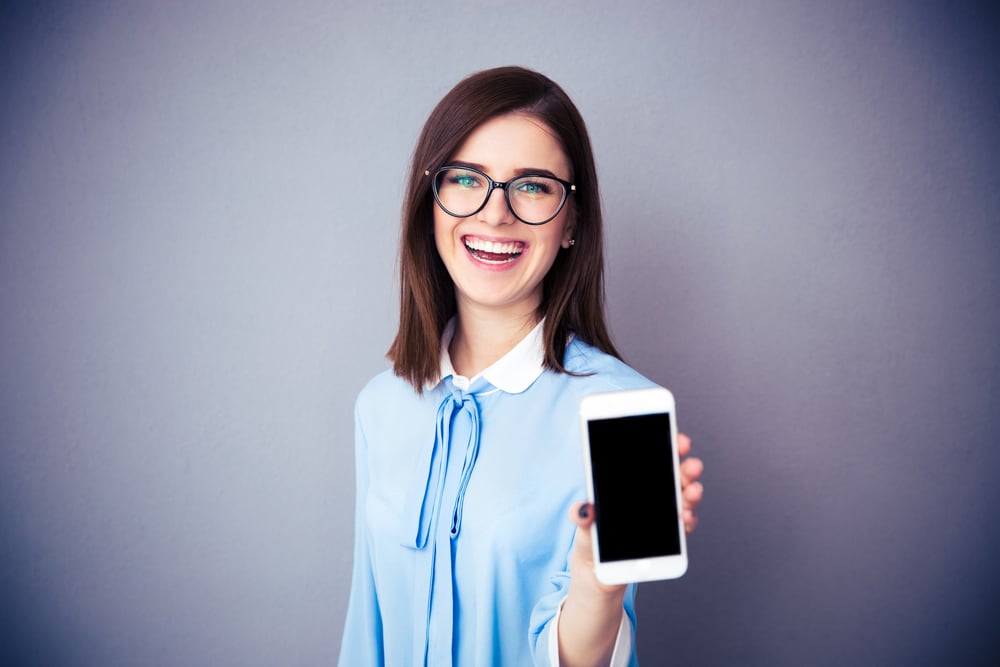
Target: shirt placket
438, 497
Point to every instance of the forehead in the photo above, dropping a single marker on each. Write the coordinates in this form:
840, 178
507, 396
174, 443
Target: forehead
512, 142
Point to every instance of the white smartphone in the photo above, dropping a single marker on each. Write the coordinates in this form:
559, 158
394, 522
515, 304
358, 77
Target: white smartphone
633, 480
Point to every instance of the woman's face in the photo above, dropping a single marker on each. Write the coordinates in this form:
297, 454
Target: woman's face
496, 261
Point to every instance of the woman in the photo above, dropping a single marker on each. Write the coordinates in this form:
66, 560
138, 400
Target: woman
468, 452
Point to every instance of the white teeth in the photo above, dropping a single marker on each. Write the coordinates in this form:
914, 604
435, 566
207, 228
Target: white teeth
492, 247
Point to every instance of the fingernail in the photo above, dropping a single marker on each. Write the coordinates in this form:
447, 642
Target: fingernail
584, 511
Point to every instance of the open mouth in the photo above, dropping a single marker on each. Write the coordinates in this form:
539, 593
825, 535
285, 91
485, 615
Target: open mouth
493, 252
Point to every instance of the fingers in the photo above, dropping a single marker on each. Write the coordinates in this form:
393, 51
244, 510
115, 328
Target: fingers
691, 469
690, 521
692, 494
691, 489
683, 445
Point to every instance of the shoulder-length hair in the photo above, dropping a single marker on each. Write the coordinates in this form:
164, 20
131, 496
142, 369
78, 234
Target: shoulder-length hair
573, 289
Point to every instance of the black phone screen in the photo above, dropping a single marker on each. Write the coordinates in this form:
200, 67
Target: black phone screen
633, 474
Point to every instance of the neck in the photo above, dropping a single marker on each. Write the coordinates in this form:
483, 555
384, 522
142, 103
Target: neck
483, 336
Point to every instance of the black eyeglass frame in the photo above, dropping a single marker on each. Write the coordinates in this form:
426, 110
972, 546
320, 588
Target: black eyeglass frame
568, 189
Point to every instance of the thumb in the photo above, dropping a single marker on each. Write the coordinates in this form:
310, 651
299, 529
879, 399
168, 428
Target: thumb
582, 514
582, 556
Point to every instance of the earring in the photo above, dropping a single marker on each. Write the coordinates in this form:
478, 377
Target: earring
572, 242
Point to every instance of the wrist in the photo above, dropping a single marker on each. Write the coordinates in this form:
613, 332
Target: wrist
595, 598
589, 623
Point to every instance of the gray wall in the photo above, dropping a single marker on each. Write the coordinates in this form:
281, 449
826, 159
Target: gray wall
198, 209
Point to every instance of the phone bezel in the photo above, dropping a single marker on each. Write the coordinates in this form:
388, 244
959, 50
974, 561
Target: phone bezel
625, 403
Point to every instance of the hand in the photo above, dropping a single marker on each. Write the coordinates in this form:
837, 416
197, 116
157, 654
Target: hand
582, 514
592, 610
581, 559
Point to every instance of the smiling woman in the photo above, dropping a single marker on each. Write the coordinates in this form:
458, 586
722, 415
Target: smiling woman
468, 452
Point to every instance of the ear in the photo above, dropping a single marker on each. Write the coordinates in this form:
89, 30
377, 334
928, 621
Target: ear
568, 232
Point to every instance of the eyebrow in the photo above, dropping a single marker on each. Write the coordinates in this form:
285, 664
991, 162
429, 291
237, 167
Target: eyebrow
520, 171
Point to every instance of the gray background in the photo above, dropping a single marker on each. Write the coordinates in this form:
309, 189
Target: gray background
198, 218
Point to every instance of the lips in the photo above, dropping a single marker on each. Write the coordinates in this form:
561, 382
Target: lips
493, 252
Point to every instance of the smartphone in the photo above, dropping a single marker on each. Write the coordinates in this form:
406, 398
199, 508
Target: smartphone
633, 480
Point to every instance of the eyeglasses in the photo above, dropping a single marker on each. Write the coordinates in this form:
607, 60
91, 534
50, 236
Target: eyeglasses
534, 199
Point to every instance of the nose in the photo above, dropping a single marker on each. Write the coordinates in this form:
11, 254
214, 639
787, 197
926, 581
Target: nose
496, 211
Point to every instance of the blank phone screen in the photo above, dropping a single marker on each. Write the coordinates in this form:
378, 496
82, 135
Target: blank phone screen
634, 500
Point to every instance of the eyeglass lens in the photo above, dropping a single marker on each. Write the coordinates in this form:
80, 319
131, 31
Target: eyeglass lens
534, 199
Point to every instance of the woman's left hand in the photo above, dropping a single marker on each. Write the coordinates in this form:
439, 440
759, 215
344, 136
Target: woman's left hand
592, 611
582, 514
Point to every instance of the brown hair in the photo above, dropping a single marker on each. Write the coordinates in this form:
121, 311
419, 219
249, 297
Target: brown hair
573, 289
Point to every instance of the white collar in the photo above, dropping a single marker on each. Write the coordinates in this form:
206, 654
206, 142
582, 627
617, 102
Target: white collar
513, 372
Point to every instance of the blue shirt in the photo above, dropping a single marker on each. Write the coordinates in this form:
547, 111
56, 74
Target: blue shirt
462, 539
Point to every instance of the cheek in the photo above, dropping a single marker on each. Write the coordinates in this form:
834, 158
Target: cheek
443, 225
553, 246
438, 227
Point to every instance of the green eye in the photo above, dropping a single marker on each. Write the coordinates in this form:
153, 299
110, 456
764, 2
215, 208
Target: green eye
534, 188
464, 180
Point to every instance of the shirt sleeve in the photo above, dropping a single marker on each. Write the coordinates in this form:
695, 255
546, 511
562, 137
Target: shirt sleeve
362, 642
546, 638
